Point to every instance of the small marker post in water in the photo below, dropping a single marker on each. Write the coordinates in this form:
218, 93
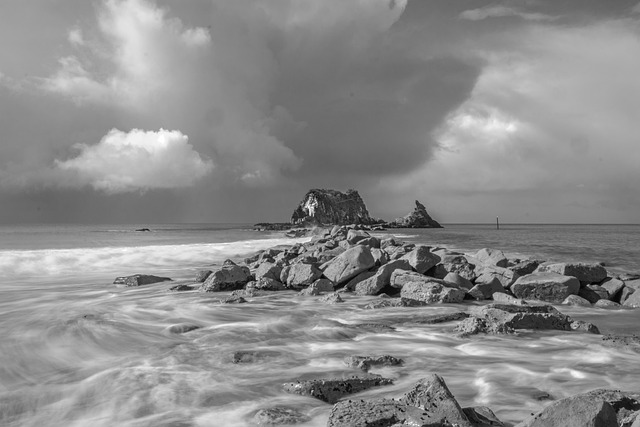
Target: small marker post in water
497, 224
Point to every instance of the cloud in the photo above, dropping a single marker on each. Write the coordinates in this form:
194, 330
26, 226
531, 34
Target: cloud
499, 11
137, 161
636, 8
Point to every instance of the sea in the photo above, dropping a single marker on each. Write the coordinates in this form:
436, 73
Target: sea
76, 350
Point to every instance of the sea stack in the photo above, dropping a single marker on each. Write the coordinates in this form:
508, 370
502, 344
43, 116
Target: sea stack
324, 207
419, 218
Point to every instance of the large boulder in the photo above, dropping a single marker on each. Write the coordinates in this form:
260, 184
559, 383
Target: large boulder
419, 218
421, 259
400, 277
590, 273
613, 287
374, 284
381, 412
331, 390
433, 395
488, 273
299, 275
354, 236
321, 206
430, 292
549, 287
139, 280
227, 278
278, 416
366, 362
348, 264
597, 408
488, 256
269, 270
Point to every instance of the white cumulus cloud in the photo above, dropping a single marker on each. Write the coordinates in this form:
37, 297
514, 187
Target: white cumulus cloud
137, 161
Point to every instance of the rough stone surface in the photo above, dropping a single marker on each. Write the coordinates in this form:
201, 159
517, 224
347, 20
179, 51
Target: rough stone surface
300, 275
421, 259
459, 281
419, 218
379, 413
269, 270
576, 300
139, 280
483, 291
399, 278
590, 273
525, 267
229, 277
318, 287
348, 264
593, 293
331, 390
432, 394
321, 206
366, 362
233, 299
549, 287
508, 299
333, 298
278, 416
374, 284
488, 256
605, 303
354, 236
202, 275
613, 287
633, 300
385, 303
489, 273
433, 291
481, 416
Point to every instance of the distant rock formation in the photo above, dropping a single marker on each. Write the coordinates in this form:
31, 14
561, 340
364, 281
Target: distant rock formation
323, 207
419, 218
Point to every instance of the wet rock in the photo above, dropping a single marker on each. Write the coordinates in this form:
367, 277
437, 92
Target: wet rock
489, 273
576, 301
597, 408
593, 293
633, 300
549, 287
401, 277
481, 416
590, 273
251, 356
508, 299
379, 413
454, 263
139, 280
182, 328
300, 275
355, 236
430, 292
379, 256
525, 267
333, 298
432, 394
318, 287
382, 278
421, 259
202, 275
439, 318
385, 303
229, 277
483, 291
622, 341
504, 318
269, 270
331, 390
613, 287
233, 299
181, 288
248, 292
459, 281
488, 256
278, 416
266, 284
348, 264
605, 303
366, 362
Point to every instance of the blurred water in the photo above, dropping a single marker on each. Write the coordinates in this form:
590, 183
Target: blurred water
77, 351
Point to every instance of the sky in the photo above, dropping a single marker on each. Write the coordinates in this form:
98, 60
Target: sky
156, 111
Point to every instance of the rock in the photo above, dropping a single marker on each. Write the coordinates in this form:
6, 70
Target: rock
351, 284
633, 300
321, 206
269, 270
181, 288
481, 416
300, 275
622, 341
487, 274
372, 242
202, 275
348, 264
182, 328
625, 293
459, 281
419, 218
525, 267
278, 416
613, 287
366, 362
549, 287
379, 413
597, 408
421, 259
331, 390
379, 256
266, 284
229, 277
139, 280
430, 292
333, 298
233, 299
593, 293
590, 273
354, 236
374, 284
483, 291
488, 256
454, 263
576, 300
251, 356
605, 303
401, 277
433, 395
503, 318
318, 287
439, 318
385, 303
508, 299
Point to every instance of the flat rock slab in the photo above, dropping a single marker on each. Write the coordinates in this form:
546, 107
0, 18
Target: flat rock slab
549, 287
430, 292
331, 390
379, 413
139, 280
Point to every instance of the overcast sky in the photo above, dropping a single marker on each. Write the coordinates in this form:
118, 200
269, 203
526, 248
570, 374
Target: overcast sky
229, 111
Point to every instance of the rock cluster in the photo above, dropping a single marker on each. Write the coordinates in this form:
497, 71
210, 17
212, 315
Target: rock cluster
330, 207
419, 218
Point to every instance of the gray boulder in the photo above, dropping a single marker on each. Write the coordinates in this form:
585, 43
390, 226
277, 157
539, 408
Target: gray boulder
331, 390
459, 281
139, 280
481, 416
593, 293
576, 300
421, 259
354, 236
269, 270
590, 273
348, 264
366, 362
399, 278
202, 275
488, 256
433, 395
229, 277
525, 267
488, 273
374, 284
318, 287
278, 416
508, 299
483, 291
430, 292
549, 287
299, 275
379, 413
266, 284
613, 287
605, 303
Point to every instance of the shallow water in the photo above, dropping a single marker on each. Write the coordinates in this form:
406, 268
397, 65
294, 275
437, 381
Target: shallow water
77, 351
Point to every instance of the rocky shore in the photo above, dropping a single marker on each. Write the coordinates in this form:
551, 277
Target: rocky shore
514, 295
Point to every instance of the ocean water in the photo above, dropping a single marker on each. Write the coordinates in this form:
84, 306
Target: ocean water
76, 351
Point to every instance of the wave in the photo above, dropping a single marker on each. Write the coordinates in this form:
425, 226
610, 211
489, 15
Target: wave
40, 263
